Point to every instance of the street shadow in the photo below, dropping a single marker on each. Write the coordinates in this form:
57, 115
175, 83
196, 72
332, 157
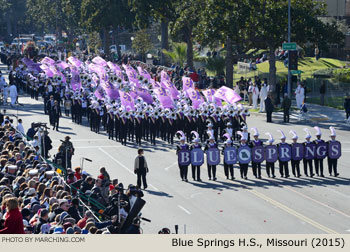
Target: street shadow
160, 194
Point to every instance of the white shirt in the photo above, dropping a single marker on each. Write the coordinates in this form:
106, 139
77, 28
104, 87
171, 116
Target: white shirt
13, 91
20, 128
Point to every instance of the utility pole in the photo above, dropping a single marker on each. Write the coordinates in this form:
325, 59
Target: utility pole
289, 40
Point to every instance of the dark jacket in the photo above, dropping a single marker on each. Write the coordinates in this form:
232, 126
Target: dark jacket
268, 105
347, 105
13, 223
286, 104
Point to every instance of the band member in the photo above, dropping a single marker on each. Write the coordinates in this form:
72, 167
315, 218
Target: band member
305, 161
211, 144
228, 168
295, 163
182, 146
243, 167
318, 161
256, 142
332, 162
270, 166
196, 169
284, 171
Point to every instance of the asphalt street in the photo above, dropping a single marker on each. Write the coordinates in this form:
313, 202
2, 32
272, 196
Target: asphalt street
280, 205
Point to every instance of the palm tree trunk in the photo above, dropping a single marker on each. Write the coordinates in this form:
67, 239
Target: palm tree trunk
106, 41
164, 34
189, 47
229, 63
272, 70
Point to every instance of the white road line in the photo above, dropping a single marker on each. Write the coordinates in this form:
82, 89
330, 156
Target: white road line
82, 140
184, 209
122, 165
94, 146
167, 168
195, 194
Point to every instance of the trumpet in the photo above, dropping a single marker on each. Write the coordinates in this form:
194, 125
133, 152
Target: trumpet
217, 112
85, 77
140, 78
89, 81
81, 75
145, 81
119, 80
59, 78
156, 114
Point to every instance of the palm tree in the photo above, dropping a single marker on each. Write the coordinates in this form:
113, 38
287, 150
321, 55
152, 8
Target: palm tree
216, 65
178, 54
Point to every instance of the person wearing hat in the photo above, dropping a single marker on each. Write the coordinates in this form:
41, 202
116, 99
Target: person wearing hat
295, 163
283, 165
332, 162
68, 151
55, 114
211, 168
228, 168
229, 129
210, 130
269, 108
196, 169
318, 161
181, 147
270, 166
243, 167
256, 142
286, 104
305, 161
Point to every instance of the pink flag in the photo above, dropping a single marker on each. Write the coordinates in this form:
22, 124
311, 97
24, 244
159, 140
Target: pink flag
99, 92
101, 72
227, 94
144, 73
164, 76
111, 90
116, 69
99, 61
155, 84
195, 97
127, 101
171, 87
132, 75
187, 83
62, 65
48, 61
74, 61
75, 82
209, 95
164, 97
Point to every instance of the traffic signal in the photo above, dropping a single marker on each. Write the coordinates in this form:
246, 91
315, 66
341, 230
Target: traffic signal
293, 60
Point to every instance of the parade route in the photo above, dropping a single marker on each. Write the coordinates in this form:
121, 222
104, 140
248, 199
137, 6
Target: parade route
280, 205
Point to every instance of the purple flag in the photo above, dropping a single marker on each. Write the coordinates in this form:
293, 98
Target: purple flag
116, 69
126, 100
209, 95
187, 83
171, 87
197, 156
47, 71
230, 155
271, 153
227, 94
164, 97
144, 73
75, 82
145, 95
31, 65
48, 61
99, 61
334, 149
213, 156
164, 76
132, 75
258, 154
74, 61
99, 93
111, 91
195, 97
62, 65
101, 72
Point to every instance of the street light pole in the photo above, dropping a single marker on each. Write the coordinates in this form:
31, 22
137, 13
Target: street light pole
289, 40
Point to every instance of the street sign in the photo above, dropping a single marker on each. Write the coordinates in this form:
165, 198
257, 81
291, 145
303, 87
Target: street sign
296, 72
289, 46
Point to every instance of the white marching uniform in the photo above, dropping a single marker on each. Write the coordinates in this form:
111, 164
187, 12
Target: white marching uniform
13, 94
255, 91
263, 96
299, 96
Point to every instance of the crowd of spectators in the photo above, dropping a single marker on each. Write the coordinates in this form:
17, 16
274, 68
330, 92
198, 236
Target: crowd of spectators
36, 198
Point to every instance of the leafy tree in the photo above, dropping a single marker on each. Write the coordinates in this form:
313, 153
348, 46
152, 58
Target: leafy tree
216, 65
14, 16
142, 43
146, 11
178, 54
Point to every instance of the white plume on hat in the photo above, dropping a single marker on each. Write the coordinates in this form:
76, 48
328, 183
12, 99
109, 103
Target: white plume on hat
318, 131
183, 137
283, 136
228, 138
211, 136
256, 132
308, 135
242, 135
332, 129
295, 136
196, 139
271, 140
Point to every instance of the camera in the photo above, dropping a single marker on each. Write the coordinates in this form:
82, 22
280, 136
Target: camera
40, 124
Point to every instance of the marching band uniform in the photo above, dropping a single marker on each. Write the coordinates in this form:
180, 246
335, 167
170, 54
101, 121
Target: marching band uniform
332, 162
270, 166
295, 163
228, 168
243, 167
196, 169
182, 146
318, 162
211, 168
284, 171
256, 142
308, 162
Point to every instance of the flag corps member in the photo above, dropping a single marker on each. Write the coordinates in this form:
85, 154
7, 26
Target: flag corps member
334, 152
271, 154
183, 153
228, 164
198, 157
